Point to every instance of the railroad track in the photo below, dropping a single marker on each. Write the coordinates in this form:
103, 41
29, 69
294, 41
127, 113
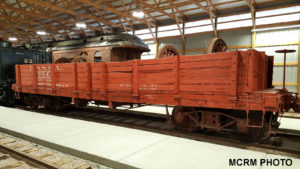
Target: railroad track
18, 153
158, 123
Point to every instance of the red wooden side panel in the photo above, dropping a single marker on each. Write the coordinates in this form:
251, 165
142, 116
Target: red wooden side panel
213, 80
156, 77
119, 76
97, 73
209, 80
26, 75
257, 70
63, 76
207, 74
82, 77
251, 72
243, 71
44, 77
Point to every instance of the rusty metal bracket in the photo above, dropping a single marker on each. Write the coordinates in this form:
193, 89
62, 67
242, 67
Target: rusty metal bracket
17, 95
177, 97
136, 96
90, 94
103, 95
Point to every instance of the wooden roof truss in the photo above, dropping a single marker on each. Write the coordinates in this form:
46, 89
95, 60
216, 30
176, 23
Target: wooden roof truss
23, 18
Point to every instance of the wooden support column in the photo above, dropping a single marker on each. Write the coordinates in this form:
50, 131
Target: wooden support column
253, 43
183, 33
298, 75
157, 40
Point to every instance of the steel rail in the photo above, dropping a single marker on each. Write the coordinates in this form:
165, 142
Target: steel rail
29, 159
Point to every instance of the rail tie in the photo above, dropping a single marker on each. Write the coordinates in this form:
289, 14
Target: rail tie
26, 157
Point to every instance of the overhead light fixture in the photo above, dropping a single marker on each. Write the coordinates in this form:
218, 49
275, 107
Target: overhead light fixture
41, 33
80, 25
12, 39
138, 14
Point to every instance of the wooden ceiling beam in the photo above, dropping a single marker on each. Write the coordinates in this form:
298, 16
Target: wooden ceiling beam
126, 11
98, 22
28, 36
105, 22
212, 5
121, 22
181, 4
2, 24
151, 32
213, 17
20, 39
68, 11
177, 22
148, 25
113, 10
28, 21
42, 16
211, 14
23, 27
157, 4
121, 25
156, 9
177, 9
165, 7
252, 4
147, 13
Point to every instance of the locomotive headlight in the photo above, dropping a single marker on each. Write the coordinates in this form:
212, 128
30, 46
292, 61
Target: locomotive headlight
12, 39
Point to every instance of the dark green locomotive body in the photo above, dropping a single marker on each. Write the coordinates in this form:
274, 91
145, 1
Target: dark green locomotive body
9, 57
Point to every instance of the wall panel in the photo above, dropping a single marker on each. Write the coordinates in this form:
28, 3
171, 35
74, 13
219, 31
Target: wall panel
274, 37
276, 40
236, 37
177, 42
198, 41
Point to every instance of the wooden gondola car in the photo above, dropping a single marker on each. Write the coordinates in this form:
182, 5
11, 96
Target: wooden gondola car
222, 91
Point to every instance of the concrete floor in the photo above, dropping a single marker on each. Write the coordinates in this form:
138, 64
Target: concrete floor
129, 148
289, 123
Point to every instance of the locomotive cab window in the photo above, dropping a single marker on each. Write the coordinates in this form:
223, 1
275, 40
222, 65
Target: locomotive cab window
97, 56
